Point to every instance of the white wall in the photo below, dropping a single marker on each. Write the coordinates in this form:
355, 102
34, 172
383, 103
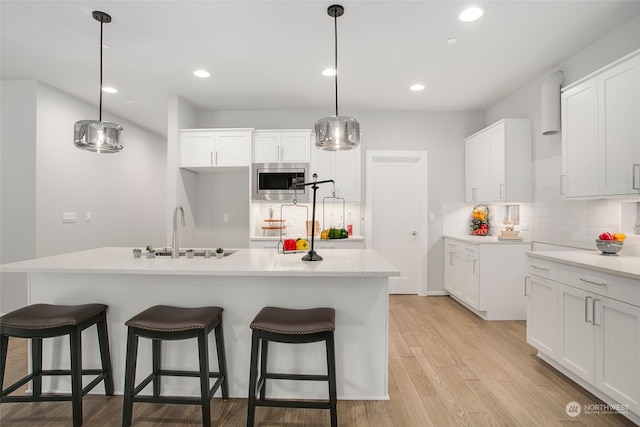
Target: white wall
17, 186
440, 133
554, 221
124, 192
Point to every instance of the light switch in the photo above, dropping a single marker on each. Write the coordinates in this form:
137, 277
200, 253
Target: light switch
432, 217
69, 217
87, 216
225, 217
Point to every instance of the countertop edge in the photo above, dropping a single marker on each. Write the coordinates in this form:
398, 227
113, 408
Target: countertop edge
561, 257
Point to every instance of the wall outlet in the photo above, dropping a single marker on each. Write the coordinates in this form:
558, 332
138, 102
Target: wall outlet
225, 217
69, 217
523, 226
87, 216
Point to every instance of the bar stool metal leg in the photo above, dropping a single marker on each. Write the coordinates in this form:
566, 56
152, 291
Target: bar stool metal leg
129, 378
105, 354
204, 378
156, 346
36, 363
331, 370
253, 375
76, 376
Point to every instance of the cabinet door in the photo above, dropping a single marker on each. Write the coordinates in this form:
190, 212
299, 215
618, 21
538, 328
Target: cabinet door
477, 168
472, 282
197, 149
295, 147
617, 355
576, 341
459, 275
347, 175
323, 164
619, 130
266, 147
580, 140
232, 148
497, 162
542, 321
449, 273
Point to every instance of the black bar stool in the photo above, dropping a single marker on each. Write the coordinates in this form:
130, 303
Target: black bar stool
163, 322
40, 321
293, 327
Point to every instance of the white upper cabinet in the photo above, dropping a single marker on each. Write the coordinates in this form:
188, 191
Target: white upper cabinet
280, 146
601, 132
343, 167
208, 149
498, 165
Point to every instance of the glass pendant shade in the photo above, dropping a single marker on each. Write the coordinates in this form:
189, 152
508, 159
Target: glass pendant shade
99, 137
337, 133
96, 135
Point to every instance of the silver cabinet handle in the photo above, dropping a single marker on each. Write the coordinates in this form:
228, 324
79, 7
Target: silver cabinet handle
282, 153
216, 157
211, 162
635, 184
526, 279
586, 310
470, 249
537, 267
450, 258
474, 267
592, 282
563, 179
473, 193
278, 153
594, 313
501, 191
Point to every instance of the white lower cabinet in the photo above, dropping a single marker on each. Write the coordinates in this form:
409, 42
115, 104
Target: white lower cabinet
587, 324
542, 330
486, 277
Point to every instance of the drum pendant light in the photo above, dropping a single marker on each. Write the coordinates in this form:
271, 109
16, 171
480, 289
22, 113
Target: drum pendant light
99, 136
337, 132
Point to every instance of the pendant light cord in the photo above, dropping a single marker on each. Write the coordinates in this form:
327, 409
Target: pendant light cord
335, 25
101, 25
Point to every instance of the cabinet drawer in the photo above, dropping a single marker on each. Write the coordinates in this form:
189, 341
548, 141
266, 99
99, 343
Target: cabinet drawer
542, 268
608, 285
451, 245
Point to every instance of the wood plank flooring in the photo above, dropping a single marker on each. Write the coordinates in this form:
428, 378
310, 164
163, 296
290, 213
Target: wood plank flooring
447, 367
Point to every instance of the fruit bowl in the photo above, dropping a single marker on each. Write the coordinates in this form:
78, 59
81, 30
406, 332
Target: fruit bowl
609, 247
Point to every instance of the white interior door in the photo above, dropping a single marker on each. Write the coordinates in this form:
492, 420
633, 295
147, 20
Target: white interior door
396, 215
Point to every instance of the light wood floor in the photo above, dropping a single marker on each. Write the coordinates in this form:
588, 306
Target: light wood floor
447, 367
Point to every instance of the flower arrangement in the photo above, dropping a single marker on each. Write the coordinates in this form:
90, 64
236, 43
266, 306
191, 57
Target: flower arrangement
480, 221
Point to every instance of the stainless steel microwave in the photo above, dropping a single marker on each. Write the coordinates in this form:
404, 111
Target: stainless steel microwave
277, 181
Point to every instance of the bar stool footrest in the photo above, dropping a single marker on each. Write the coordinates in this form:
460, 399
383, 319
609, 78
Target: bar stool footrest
293, 404
166, 399
101, 375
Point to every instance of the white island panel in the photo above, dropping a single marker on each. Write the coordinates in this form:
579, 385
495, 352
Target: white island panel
354, 282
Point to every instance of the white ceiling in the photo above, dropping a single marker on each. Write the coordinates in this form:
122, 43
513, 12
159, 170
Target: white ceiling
268, 55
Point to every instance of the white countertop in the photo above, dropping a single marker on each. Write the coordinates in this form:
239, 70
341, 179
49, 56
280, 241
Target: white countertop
621, 265
245, 262
485, 239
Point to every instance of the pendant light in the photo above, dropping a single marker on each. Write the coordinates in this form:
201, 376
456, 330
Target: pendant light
337, 132
99, 136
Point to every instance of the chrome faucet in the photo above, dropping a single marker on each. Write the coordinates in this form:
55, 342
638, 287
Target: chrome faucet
175, 246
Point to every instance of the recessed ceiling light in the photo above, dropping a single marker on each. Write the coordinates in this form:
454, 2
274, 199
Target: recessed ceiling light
329, 72
108, 89
471, 14
201, 73
451, 41
417, 87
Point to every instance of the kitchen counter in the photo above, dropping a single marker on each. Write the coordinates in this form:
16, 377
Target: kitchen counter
244, 262
621, 265
354, 282
484, 239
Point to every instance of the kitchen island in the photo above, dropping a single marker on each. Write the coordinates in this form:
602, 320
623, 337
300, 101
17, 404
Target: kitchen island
353, 281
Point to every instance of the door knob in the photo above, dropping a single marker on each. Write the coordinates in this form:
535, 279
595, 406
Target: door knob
414, 233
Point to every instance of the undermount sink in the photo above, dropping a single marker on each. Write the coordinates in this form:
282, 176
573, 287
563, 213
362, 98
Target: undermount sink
197, 252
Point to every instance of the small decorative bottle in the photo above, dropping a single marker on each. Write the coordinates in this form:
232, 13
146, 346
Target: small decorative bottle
349, 224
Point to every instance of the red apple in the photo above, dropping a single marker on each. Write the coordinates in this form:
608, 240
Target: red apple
606, 236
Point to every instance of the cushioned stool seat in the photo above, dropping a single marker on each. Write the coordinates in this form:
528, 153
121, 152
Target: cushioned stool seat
40, 321
163, 322
294, 327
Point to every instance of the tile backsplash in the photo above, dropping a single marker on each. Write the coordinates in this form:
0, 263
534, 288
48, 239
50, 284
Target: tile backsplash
564, 223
